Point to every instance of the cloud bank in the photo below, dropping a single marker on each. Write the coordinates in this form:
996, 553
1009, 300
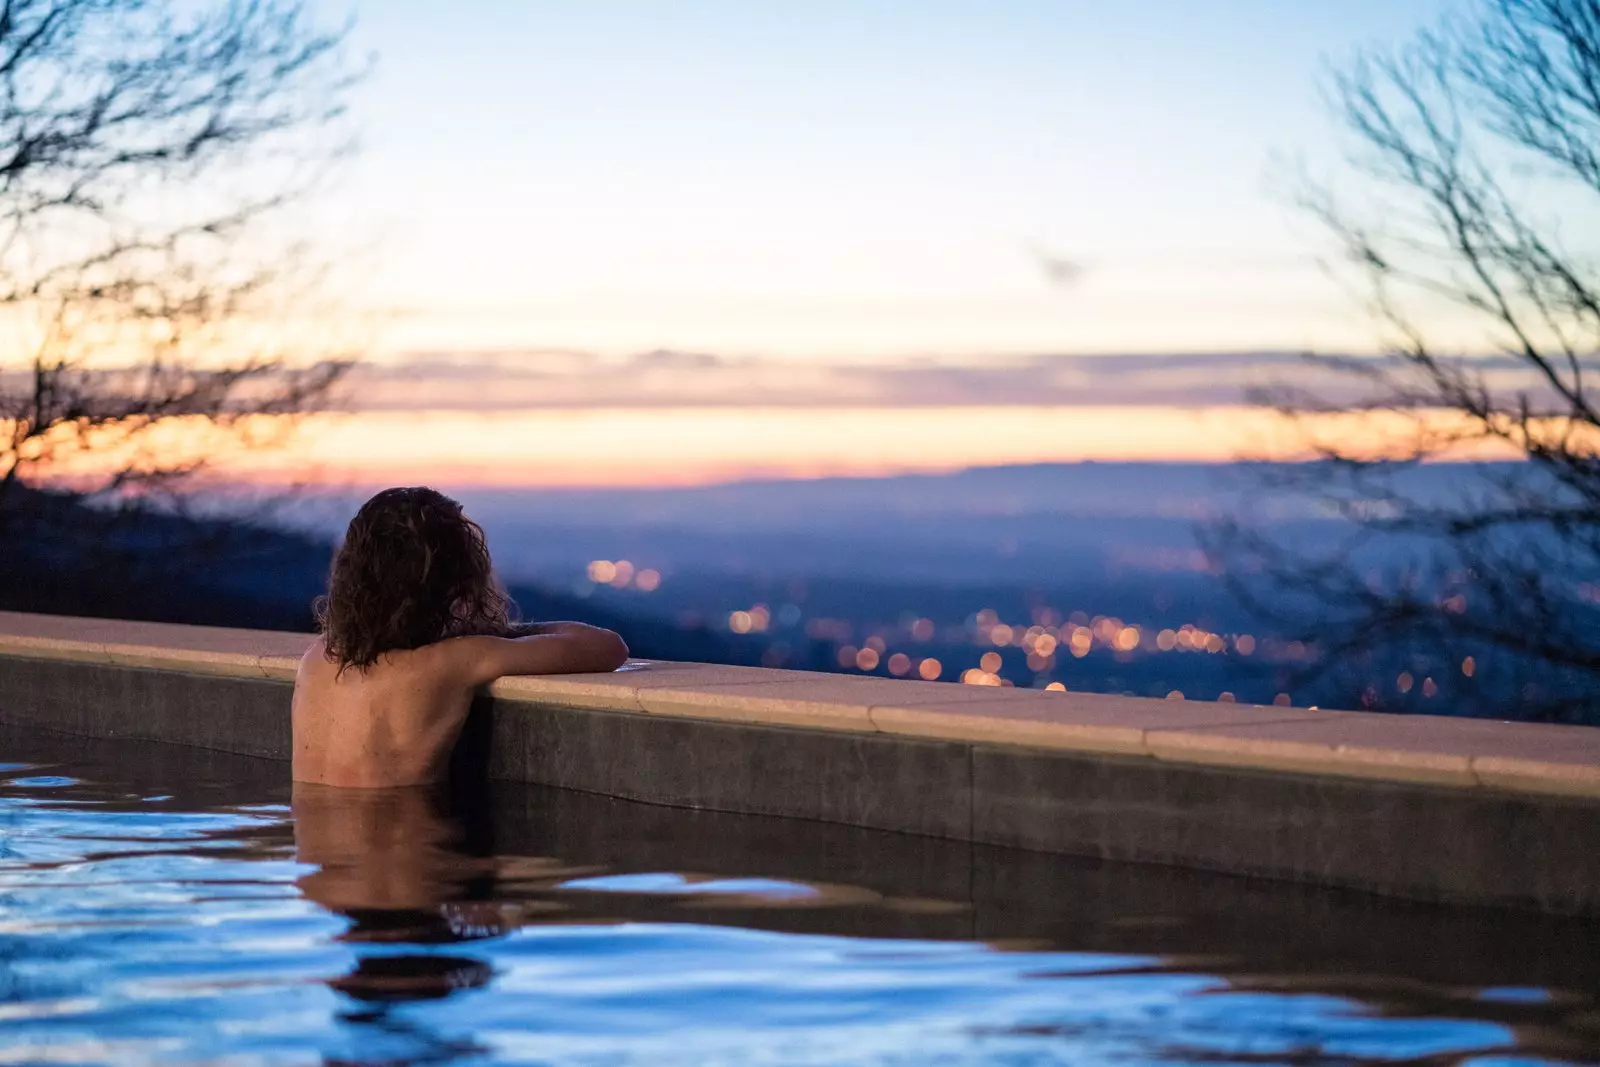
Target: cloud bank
556, 380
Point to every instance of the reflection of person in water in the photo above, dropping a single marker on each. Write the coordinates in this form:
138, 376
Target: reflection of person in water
412, 866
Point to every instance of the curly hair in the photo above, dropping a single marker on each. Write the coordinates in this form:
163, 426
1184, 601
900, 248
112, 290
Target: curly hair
413, 570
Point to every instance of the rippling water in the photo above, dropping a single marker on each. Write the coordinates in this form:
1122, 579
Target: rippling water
161, 906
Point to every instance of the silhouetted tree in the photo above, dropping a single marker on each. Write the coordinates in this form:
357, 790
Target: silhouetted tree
1480, 146
147, 151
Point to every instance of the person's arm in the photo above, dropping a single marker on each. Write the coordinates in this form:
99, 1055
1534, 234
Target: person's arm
531, 629
544, 648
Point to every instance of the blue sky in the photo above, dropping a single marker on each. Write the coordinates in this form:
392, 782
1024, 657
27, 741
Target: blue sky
862, 180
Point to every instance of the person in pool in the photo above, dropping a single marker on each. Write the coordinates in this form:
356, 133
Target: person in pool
412, 625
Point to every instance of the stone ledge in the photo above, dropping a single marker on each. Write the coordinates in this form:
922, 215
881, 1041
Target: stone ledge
1433, 750
162, 646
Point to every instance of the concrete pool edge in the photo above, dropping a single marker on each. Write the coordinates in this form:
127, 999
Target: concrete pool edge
853, 751
1433, 750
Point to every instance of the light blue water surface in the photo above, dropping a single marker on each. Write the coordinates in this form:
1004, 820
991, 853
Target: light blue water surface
136, 929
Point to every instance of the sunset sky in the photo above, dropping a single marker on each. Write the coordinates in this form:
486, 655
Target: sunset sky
808, 205
850, 179
629, 242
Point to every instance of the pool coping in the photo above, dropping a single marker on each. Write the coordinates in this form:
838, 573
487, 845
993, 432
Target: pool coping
1463, 754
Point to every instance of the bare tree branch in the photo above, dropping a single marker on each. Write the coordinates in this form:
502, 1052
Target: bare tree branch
1463, 139
146, 148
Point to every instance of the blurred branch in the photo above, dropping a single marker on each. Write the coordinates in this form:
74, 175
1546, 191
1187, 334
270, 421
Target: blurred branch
148, 152
1447, 131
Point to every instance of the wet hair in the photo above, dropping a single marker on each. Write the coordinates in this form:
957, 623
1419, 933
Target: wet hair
413, 570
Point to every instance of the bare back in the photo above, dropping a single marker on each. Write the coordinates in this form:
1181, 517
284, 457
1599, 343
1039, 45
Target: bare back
396, 722
393, 723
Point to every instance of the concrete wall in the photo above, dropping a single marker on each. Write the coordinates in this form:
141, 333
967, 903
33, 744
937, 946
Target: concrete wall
1425, 808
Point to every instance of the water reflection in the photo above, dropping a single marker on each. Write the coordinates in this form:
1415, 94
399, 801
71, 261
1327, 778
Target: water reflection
406, 867
170, 909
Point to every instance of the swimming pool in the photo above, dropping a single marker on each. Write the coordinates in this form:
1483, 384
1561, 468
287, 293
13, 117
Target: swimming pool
165, 905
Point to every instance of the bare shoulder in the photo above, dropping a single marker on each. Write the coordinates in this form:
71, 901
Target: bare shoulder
314, 659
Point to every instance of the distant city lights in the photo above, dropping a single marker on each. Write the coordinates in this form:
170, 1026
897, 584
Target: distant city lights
620, 574
1042, 645
755, 620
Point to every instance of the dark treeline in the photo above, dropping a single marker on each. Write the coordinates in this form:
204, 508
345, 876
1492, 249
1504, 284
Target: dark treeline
69, 558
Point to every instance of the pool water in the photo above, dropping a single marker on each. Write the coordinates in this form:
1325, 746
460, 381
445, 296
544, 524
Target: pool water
162, 905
